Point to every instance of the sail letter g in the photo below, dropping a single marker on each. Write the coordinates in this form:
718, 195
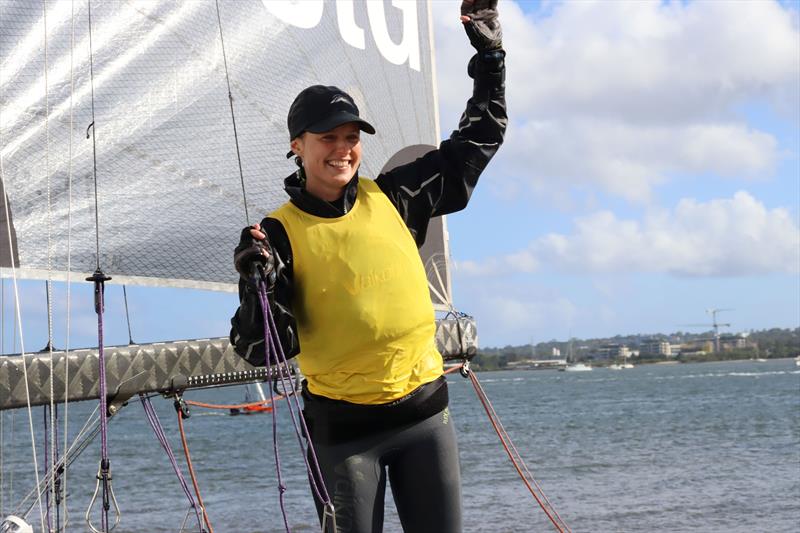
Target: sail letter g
408, 49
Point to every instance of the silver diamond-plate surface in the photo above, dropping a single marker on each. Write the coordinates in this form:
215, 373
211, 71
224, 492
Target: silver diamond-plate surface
152, 367
457, 338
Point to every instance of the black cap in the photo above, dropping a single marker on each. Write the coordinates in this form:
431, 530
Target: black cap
319, 109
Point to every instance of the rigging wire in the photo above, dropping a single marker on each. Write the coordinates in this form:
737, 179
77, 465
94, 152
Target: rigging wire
84, 437
69, 254
49, 283
127, 315
99, 279
94, 143
233, 115
18, 324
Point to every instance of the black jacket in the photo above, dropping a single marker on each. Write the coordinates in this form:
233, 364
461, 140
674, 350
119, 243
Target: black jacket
438, 183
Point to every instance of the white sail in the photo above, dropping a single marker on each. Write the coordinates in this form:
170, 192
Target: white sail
170, 202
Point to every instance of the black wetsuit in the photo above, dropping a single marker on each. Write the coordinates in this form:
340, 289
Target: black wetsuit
412, 437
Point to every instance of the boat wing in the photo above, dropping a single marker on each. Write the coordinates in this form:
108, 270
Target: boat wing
159, 368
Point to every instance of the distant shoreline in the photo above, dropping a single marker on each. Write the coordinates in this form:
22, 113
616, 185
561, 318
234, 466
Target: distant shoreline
640, 363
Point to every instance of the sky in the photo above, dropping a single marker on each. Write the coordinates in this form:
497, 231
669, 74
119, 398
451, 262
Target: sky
651, 171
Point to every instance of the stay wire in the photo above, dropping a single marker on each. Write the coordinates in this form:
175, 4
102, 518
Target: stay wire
233, 115
127, 314
83, 438
99, 278
18, 323
51, 497
93, 127
69, 255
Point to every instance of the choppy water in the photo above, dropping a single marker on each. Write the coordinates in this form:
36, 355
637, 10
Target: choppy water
711, 447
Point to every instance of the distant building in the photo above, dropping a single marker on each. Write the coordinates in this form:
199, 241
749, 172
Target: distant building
733, 341
556, 352
656, 347
612, 351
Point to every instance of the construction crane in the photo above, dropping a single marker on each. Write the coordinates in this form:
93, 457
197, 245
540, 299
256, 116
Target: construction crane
714, 324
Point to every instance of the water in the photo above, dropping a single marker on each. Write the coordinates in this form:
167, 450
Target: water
711, 447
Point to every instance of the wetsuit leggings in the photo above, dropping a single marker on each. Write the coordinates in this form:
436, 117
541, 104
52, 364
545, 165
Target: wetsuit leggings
421, 460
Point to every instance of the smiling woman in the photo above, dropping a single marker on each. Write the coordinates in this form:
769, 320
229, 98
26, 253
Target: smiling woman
351, 298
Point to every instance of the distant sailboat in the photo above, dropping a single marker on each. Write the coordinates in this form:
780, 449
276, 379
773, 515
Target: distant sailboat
577, 367
572, 366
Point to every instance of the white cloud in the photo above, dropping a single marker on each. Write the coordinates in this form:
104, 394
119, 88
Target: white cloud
505, 310
738, 236
621, 95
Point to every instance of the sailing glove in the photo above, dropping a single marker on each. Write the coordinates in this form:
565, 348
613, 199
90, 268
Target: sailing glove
254, 259
483, 27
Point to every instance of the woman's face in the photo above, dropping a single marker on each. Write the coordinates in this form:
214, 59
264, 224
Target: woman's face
330, 159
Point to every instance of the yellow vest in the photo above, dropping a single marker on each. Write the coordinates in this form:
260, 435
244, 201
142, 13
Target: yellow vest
361, 301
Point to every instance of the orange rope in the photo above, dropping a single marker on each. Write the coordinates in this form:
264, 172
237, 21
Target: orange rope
236, 406
191, 473
505, 439
453, 369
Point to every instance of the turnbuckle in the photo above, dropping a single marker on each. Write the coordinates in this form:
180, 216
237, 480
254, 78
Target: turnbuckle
104, 480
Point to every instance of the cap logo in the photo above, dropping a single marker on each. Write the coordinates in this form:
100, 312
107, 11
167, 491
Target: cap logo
340, 98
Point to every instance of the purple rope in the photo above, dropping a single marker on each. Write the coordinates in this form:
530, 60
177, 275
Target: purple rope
103, 402
276, 351
262, 296
158, 429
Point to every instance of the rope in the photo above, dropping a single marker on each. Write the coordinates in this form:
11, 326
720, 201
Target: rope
516, 459
155, 423
275, 352
191, 470
281, 485
231, 406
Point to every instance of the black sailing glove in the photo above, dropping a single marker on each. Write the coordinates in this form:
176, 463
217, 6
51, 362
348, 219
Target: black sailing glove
483, 27
254, 259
